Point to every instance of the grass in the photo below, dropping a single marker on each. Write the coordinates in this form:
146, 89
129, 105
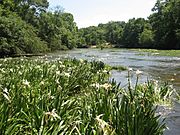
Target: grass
119, 68
160, 52
64, 97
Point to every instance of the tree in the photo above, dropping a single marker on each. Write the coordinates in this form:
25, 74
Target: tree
69, 36
58, 30
146, 39
17, 36
131, 32
166, 23
114, 32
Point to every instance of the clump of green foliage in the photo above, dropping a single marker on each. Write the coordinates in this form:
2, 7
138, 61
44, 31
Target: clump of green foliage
160, 52
119, 68
40, 96
19, 37
27, 27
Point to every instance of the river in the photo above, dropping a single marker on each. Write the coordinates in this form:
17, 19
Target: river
162, 68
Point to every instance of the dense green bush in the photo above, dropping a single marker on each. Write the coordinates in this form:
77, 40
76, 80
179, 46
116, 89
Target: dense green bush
26, 27
74, 97
19, 37
146, 38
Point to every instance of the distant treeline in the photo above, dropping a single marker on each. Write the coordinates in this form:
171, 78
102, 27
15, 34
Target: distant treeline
27, 26
161, 30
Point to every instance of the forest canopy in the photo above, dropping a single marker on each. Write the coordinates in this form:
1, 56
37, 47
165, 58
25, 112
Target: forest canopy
27, 26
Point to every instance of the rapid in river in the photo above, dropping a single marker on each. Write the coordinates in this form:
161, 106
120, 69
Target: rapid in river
161, 68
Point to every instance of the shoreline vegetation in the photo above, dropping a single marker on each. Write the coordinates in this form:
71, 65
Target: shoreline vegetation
158, 52
38, 96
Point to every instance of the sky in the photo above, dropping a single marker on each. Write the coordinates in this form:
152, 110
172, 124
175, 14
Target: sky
92, 12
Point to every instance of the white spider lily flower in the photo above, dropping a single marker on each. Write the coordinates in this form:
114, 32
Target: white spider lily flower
130, 69
67, 74
172, 79
26, 83
105, 71
155, 82
38, 67
53, 66
57, 81
104, 126
59, 88
81, 60
58, 73
106, 86
20, 73
6, 94
42, 83
5, 60
69, 69
138, 72
96, 85
46, 62
3, 70
62, 66
53, 114
171, 86
36, 60
6, 91
7, 97
60, 62
52, 97
49, 96
11, 70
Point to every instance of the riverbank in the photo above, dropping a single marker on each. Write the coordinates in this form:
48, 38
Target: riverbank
159, 52
155, 52
41, 96
140, 50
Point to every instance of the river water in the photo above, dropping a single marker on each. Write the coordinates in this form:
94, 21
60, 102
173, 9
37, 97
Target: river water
162, 68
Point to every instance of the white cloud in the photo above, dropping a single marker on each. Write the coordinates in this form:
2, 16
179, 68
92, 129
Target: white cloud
93, 12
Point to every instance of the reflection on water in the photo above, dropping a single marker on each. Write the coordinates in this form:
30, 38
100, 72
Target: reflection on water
164, 68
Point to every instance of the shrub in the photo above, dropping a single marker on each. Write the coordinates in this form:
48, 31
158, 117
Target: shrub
74, 97
19, 37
